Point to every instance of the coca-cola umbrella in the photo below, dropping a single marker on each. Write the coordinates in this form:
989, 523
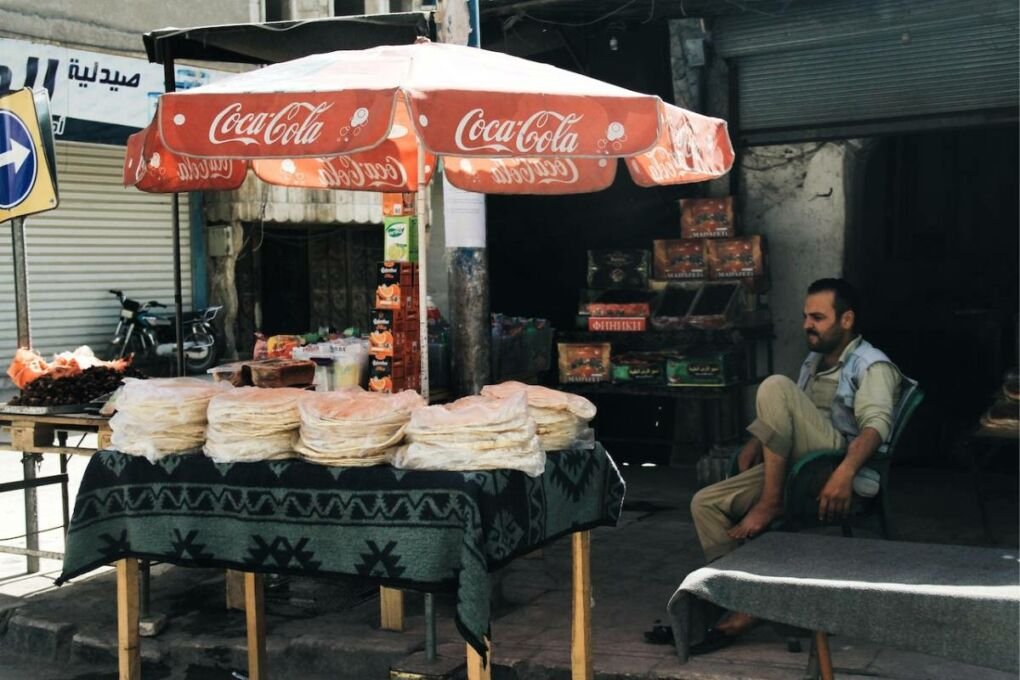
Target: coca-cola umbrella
501, 124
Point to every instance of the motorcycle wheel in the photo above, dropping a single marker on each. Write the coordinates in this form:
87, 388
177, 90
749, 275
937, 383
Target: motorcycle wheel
200, 360
134, 346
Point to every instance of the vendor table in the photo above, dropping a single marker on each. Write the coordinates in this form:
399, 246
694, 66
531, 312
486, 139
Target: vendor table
34, 435
425, 530
958, 602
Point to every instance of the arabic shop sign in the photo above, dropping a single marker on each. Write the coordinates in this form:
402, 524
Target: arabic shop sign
94, 97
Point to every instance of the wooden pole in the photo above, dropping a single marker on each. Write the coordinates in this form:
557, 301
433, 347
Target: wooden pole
580, 632
129, 656
255, 618
476, 670
391, 609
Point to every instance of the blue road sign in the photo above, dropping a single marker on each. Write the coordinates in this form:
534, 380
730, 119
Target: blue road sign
18, 162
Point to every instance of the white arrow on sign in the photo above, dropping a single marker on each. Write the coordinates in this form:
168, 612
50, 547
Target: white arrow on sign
16, 154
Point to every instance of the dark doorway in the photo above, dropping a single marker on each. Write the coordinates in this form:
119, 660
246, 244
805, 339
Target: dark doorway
305, 277
285, 286
933, 245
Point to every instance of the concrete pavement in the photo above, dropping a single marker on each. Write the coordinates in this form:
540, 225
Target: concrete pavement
320, 629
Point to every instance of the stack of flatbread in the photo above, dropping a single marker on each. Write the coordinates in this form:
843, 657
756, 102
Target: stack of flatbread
473, 433
253, 423
562, 418
162, 416
353, 427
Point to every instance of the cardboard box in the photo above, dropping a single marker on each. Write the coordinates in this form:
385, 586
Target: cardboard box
736, 258
706, 217
642, 367
398, 205
397, 286
584, 362
617, 324
704, 369
619, 269
400, 239
680, 259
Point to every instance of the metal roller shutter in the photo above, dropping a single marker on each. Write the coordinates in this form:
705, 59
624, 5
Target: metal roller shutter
835, 68
102, 236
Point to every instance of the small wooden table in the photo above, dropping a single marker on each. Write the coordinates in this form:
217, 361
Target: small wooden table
378, 523
33, 436
129, 652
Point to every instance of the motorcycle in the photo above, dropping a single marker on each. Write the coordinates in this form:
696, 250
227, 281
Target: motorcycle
147, 335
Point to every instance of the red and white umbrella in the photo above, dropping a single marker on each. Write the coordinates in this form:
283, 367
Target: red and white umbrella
376, 120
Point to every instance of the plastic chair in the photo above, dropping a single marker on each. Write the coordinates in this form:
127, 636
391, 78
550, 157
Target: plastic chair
805, 477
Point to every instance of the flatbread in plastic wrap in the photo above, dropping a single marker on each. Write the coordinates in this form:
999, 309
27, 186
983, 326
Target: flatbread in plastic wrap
562, 418
253, 423
162, 416
473, 433
352, 427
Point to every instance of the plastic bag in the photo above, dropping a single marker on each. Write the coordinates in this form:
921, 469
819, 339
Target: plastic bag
162, 416
253, 423
562, 417
353, 427
473, 433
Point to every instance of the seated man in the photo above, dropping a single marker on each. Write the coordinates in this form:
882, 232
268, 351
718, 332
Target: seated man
844, 399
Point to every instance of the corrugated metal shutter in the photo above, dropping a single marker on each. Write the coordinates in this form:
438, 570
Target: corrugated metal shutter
102, 236
835, 63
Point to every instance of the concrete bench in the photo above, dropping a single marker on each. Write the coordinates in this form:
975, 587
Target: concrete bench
957, 602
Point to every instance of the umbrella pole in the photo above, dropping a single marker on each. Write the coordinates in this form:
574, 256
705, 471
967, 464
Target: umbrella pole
169, 85
423, 249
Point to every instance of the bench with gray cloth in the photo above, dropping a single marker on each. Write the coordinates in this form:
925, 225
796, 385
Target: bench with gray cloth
957, 602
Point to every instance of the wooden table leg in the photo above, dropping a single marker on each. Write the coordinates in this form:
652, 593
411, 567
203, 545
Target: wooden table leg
581, 667
255, 617
129, 656
391, 609
824, 657
475, 669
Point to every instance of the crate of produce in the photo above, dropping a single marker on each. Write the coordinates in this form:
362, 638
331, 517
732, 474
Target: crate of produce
718, 305
674, 306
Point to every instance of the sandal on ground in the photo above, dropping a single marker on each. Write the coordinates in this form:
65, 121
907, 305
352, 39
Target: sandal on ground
660, 634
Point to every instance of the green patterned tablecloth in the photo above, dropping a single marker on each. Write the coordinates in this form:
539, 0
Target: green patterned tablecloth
408, 528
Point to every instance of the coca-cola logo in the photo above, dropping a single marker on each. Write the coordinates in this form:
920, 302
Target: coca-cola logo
296, 124
347, 172
204, 169
531, 171
542, 132
686, 156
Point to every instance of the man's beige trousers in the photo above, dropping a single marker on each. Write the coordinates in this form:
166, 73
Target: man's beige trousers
789, 425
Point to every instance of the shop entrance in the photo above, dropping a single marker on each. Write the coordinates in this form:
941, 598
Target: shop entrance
295, 279
932, 243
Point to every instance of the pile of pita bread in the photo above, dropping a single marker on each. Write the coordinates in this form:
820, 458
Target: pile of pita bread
353, 427
162, 416
253, 423
562, 418
473, 433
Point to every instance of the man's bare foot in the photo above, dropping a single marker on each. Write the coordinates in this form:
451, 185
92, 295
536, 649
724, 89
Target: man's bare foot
736, 623
755, 521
